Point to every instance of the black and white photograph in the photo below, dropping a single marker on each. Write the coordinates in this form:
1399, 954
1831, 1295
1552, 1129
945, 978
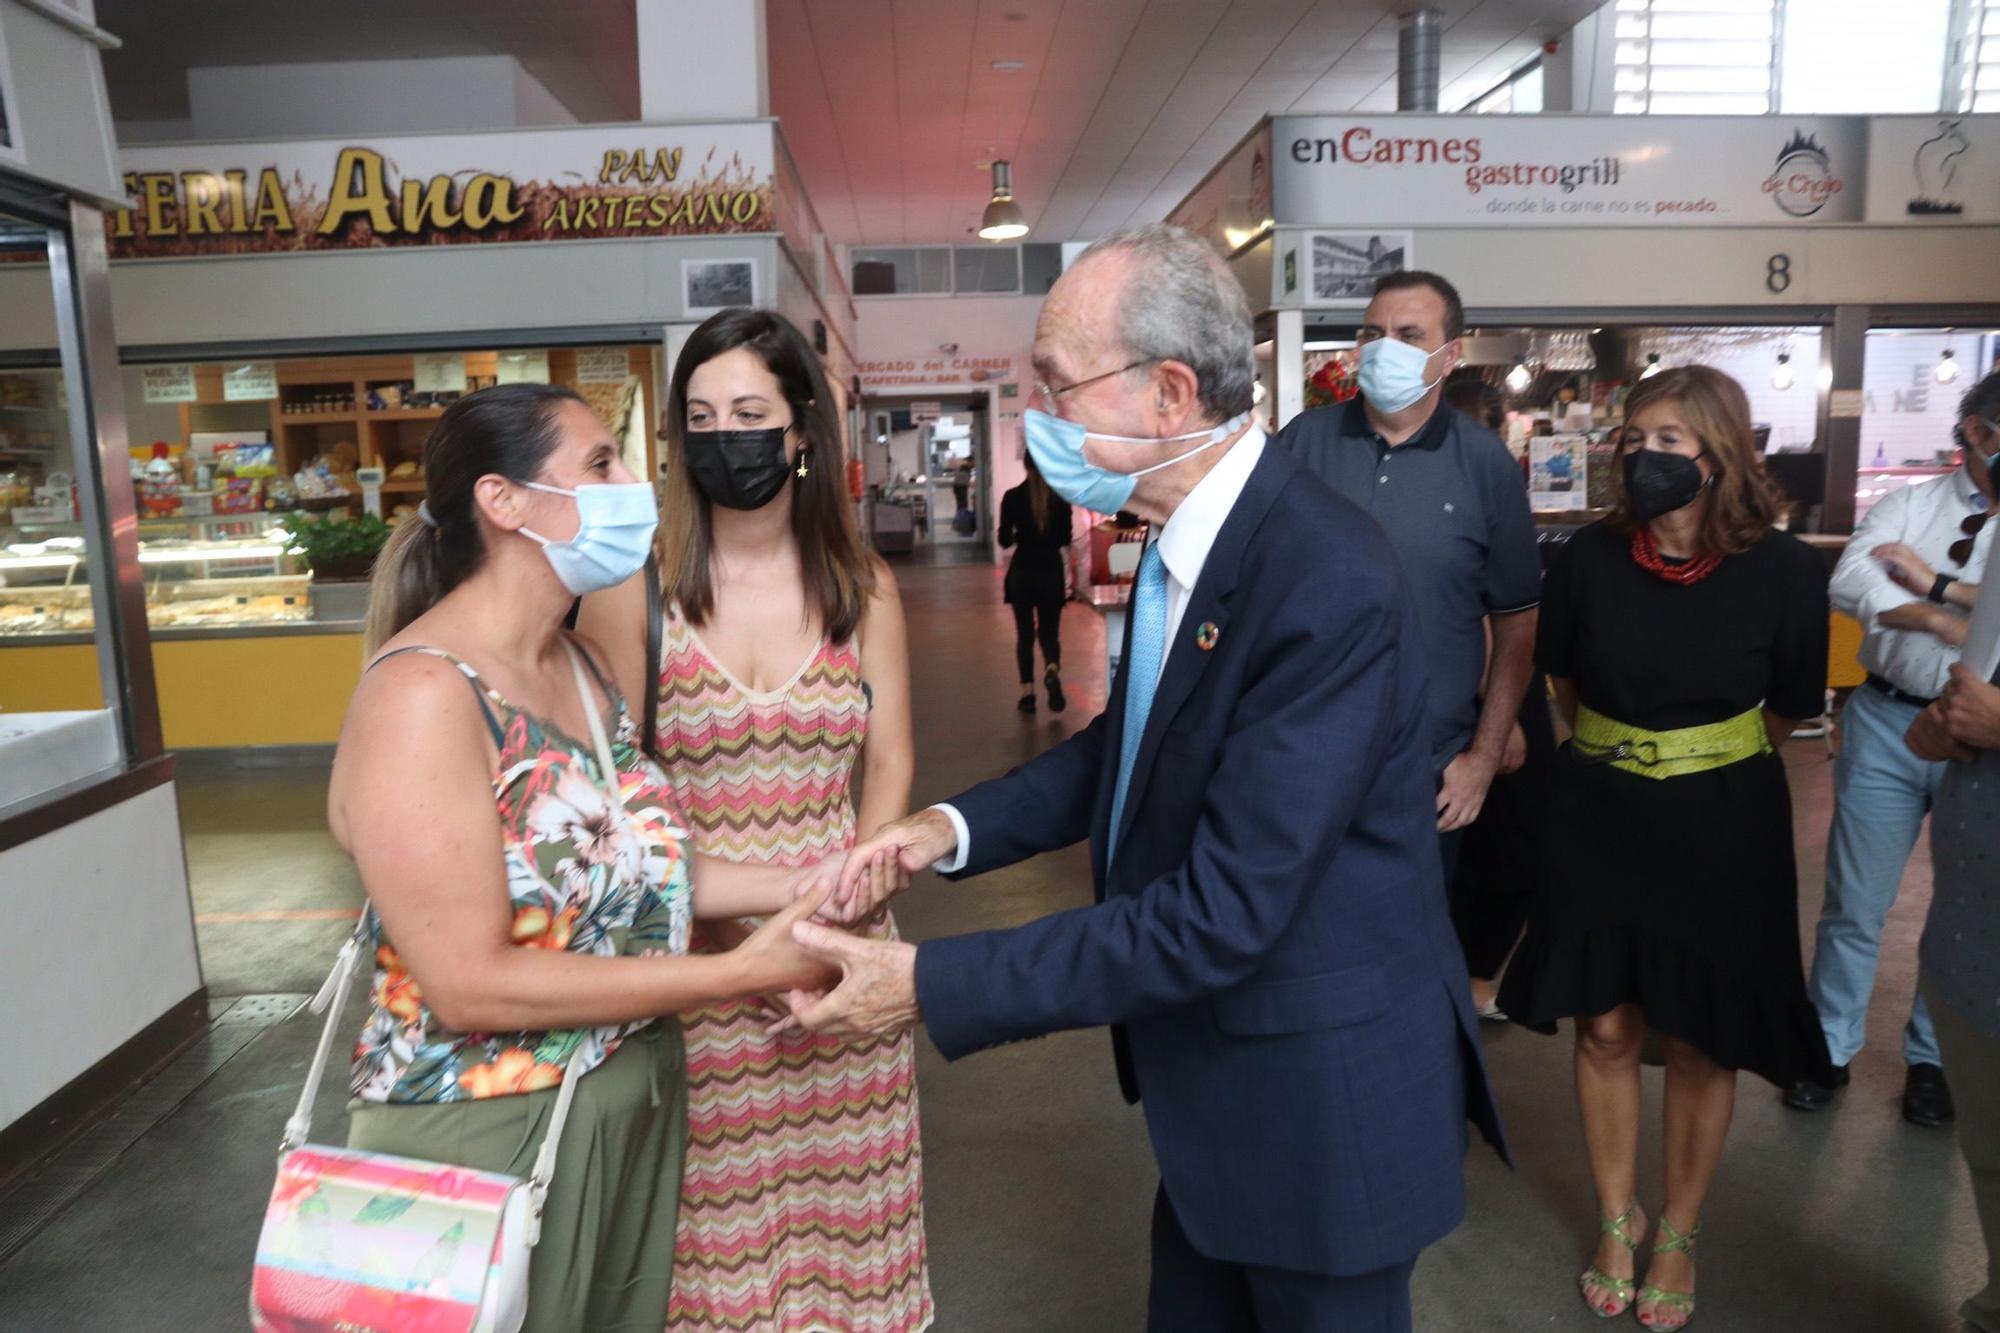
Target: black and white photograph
1346, 264
709, 285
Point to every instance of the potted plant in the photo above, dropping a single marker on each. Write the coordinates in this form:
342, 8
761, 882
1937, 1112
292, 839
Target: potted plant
336, 547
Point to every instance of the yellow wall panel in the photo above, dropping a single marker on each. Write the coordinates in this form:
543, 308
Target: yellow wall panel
54, 679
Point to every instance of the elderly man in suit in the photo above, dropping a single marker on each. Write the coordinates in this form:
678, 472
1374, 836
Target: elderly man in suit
1270, 941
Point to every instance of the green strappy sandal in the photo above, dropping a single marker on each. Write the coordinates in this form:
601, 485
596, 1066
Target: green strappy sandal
1621, 1288
1682, 1301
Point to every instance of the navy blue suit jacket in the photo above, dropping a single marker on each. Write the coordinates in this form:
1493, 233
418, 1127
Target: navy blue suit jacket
1271, 939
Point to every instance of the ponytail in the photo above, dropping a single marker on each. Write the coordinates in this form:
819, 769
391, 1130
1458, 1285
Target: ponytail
508, 430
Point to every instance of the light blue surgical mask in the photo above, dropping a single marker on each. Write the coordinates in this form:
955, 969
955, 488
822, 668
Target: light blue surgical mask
1392, 374
614, 535
1057, 444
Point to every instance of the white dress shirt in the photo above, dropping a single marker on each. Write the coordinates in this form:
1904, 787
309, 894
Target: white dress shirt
1926, 517
1185, 541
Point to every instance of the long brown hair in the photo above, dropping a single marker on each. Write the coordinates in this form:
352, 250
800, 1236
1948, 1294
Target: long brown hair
839, 571
1039, 495
1743, 501
509, 429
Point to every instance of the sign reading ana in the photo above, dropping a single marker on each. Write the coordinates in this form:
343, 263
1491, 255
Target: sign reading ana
537, 185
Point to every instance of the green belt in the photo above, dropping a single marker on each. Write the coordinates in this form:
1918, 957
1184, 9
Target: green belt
1670, 754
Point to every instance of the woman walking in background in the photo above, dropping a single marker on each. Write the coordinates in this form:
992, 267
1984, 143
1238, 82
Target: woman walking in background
527, 920
782, 667
1035, 522
1685, 636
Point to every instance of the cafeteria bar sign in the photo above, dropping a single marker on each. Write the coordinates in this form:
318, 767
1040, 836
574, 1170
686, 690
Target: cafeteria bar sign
543, 185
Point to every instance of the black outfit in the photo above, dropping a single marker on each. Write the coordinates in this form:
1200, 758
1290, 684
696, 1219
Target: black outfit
1679, 894
1036, 577
1500, 858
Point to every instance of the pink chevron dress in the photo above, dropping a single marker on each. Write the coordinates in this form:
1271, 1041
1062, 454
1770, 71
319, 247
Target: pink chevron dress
802, 1202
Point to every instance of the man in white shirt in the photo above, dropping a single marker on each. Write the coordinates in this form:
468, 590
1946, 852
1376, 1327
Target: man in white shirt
1908, 575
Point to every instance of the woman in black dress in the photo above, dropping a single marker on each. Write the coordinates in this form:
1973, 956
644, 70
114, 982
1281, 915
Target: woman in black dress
1035, 521
1685, 637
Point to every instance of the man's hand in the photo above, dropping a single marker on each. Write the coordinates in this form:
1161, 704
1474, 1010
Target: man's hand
1906, 567
1930, 739
906, 846
1926, 618
1466, 781
877, 994
1971, 710
1517, 751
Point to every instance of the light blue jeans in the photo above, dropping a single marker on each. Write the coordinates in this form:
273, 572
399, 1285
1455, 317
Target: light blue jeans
1881, 794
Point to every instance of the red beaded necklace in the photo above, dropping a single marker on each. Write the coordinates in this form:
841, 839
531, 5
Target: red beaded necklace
1646, 554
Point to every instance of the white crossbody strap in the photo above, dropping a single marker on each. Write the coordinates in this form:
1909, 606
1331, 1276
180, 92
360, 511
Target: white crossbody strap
332, 996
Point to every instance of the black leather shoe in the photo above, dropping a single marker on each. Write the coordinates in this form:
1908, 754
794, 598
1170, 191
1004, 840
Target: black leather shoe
1927, 1097
1057, 702
1027, 704
1806, 1095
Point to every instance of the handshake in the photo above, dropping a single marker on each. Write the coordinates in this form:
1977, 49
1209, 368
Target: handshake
850, 985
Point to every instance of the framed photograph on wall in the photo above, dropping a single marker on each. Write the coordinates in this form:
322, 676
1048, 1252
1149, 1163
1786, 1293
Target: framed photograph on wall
709, 285
1344, 265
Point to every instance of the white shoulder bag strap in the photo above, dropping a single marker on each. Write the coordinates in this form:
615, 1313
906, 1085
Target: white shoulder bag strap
332, 996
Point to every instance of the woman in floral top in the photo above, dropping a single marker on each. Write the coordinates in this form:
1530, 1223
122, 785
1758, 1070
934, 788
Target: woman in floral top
519, 914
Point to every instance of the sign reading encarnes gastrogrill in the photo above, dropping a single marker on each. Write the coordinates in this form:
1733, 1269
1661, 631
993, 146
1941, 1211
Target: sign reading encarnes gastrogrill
592, 182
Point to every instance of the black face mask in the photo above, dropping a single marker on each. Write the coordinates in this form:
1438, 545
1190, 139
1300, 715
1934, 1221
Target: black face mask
1661, 483
738, 469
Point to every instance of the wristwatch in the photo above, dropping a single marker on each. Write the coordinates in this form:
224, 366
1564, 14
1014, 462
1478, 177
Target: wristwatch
1944, 581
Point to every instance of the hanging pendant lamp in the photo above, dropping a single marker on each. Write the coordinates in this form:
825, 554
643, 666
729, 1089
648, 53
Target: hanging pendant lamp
1003, 220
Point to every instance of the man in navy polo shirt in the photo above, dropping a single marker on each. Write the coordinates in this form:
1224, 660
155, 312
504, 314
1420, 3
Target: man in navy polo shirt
1451, 498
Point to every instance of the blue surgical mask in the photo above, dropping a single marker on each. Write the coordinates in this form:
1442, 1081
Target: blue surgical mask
614, 535
1057, 444
1392, 374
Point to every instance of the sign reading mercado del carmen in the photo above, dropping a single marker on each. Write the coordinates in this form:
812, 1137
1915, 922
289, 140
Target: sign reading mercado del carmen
539, 185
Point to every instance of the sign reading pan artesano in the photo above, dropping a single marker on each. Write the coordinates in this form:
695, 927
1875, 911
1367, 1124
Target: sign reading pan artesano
535, 185
1641, 171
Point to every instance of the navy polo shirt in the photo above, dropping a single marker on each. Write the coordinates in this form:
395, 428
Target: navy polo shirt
1455, 506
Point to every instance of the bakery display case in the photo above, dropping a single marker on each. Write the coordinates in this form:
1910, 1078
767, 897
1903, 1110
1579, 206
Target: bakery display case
199, 572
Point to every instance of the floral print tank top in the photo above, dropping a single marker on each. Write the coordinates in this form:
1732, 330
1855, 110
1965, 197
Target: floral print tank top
577, 881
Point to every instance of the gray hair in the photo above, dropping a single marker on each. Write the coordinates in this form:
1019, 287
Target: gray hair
1182, 303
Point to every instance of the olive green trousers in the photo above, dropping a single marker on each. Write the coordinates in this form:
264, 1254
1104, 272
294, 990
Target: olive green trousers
605, 1261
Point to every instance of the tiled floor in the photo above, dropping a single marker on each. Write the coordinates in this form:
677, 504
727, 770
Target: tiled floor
1039, 1180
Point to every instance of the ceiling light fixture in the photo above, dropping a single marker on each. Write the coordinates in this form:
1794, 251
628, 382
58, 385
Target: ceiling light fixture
1782, 378
1009, 66
1653, 366
1003, 220
1520, 377
1947, 366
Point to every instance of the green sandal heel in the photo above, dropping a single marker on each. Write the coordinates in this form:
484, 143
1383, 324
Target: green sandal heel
1680, 1301
1622, 1289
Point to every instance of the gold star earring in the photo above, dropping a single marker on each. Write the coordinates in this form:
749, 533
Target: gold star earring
803, 469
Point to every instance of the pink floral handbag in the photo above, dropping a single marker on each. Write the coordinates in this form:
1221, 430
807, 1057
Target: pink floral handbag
363, 1242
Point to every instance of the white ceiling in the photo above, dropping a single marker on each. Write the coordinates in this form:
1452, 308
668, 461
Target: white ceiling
1119, 110
1122, 107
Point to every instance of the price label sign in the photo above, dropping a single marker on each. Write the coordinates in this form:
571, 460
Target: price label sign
601, 365
250, 382
1846, 404
523, 368
440, 372
168, 384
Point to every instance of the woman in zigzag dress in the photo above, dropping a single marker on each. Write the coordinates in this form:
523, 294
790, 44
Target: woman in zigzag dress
782, 662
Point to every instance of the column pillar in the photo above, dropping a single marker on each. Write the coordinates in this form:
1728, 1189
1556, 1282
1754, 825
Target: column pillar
702, 60
1841, 354
1288, 366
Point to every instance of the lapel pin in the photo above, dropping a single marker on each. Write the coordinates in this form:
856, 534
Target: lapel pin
1205, 637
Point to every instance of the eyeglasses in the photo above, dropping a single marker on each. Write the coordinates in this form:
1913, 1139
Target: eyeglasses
1960, 551
1051, 397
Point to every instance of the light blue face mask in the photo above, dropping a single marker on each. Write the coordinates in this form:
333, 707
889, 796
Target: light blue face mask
614, 535
1392, 374
1057, 445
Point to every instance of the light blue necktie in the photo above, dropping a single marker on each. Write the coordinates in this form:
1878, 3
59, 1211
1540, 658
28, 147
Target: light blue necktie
1142, 674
